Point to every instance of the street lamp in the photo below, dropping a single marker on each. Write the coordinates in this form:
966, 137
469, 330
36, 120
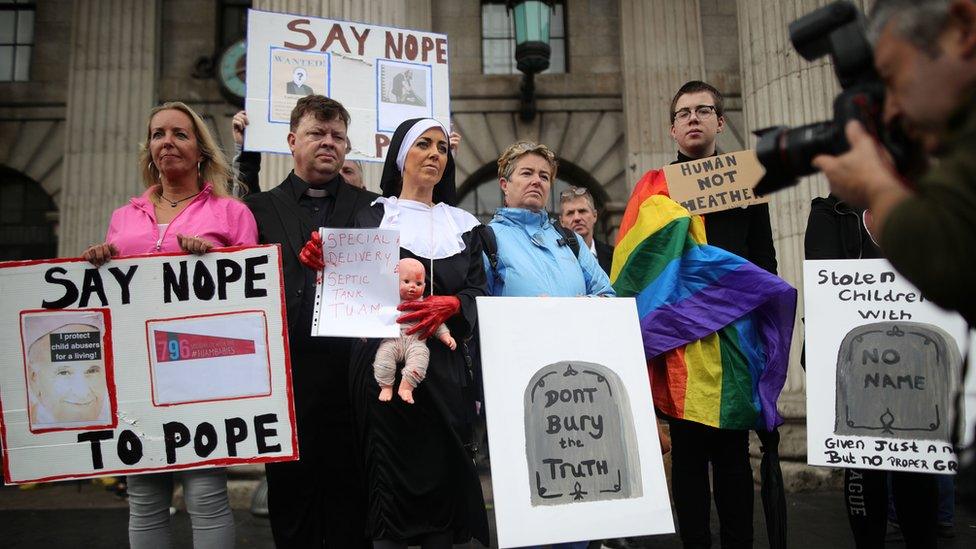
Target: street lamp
531, 46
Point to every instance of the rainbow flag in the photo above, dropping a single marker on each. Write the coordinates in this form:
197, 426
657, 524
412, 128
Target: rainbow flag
716, 328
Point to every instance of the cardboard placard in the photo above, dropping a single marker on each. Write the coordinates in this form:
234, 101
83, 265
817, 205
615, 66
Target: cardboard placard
381, 75
883, 365
147, 363
574, 447
716, 183
358, 293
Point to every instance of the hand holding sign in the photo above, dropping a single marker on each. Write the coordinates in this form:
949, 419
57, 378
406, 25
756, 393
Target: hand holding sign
311, 255
194, 244
99, 254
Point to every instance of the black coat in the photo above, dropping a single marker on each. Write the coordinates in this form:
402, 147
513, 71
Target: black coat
746, 232
282, 221
836, 231
604, 255
419, 476
319, 500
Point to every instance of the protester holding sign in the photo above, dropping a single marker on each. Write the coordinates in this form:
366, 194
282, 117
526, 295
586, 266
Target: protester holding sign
526, 254
319, 499
422, 484
717, 362
697, 117
835, 230
187, 208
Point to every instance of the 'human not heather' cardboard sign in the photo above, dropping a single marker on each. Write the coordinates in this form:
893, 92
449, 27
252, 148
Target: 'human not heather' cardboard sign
716, 183
147, 363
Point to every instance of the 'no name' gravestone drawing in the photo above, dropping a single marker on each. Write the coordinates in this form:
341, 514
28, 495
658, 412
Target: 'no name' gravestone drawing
894, 381
580, 438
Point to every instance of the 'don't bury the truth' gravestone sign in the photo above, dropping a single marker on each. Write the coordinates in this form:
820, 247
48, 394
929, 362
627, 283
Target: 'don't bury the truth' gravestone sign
574, 447
579, 435
894, 380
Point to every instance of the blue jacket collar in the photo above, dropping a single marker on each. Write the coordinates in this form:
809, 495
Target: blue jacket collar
523, 217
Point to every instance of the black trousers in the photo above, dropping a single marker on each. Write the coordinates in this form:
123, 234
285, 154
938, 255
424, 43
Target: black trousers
693, 447
319, 500
916, 497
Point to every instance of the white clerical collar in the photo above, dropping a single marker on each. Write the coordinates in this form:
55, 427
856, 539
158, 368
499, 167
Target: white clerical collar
316, 193
431, 232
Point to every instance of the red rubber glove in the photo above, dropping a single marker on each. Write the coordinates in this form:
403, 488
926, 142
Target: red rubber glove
311, 254
428, 314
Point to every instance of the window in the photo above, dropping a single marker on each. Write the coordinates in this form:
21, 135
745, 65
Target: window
27, 219
498, 40
232, 22
16, 40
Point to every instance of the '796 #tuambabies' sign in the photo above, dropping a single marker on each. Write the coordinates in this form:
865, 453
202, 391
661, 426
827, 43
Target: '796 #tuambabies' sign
147, 363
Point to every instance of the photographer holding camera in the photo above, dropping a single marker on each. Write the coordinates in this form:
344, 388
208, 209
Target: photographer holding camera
925, 53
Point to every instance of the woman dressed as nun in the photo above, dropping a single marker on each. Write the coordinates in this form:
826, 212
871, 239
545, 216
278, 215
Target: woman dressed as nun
421, 483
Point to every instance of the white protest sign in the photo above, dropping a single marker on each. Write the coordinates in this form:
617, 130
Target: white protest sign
381, 75
148, 363
883, 366
358, 293
574, 447
716, 183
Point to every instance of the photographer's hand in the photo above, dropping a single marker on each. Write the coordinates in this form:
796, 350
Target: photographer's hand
865, 176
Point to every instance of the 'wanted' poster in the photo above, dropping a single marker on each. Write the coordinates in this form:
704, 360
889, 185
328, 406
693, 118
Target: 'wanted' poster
147, 363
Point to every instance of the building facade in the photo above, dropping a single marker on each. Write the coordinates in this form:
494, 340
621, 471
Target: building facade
78, 77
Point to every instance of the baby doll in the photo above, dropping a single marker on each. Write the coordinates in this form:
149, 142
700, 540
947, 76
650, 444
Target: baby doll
409, 349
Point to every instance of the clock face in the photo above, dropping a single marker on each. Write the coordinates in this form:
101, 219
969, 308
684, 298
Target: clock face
231, 70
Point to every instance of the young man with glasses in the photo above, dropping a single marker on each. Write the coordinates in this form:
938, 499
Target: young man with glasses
697, 117
578, 214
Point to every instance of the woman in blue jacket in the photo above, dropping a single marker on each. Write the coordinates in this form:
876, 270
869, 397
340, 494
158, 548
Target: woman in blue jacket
533, 256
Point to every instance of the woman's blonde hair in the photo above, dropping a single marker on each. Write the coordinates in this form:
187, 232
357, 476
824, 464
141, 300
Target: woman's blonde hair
213, 165
508, 159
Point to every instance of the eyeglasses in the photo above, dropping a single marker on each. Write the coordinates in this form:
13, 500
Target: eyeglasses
702, 111
573, 192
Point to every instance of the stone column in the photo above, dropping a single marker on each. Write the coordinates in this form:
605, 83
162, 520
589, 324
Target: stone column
412, 14
112, 77
781, 88
662, 50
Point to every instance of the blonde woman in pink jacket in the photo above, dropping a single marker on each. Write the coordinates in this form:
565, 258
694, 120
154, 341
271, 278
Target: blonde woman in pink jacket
187, 207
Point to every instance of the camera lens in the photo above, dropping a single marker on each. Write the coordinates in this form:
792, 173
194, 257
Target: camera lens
786, 153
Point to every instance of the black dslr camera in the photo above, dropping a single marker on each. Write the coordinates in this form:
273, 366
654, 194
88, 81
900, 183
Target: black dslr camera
836, 29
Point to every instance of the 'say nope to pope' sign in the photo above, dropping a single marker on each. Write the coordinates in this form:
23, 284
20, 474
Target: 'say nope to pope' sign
143, 364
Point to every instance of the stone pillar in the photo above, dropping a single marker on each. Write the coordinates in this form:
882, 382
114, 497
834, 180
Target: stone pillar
411, 14
114, 55
662, 50
781, 88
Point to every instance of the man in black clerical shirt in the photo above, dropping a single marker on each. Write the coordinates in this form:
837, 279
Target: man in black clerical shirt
319, 500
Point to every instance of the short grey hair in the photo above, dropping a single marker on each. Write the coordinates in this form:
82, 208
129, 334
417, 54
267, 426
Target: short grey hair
920, 22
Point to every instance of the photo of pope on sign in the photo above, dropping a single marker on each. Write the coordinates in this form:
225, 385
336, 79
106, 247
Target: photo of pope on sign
67, 373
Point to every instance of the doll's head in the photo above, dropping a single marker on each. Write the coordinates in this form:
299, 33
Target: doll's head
410, 273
